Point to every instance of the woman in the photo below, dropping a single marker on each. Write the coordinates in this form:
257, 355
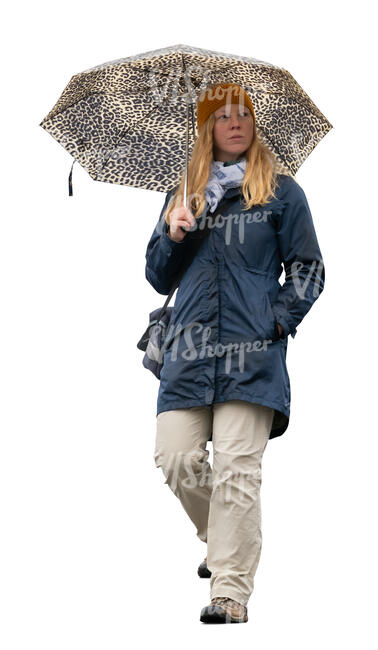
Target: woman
224, 376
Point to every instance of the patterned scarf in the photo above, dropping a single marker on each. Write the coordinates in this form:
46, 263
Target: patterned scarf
223, 175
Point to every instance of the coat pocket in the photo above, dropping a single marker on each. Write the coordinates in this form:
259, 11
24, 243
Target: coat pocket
276, 336
272, 330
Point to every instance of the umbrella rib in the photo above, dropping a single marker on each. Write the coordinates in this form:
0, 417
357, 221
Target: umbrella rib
148, 115
270, 142
137, 124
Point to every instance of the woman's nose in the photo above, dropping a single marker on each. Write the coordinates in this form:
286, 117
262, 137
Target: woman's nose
234, 120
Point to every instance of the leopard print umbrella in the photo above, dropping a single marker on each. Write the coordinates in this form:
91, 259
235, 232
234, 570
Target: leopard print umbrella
126, 121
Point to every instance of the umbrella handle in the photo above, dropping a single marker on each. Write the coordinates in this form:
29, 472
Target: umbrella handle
70, 193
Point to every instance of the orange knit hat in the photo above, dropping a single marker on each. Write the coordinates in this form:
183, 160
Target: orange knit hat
217, 95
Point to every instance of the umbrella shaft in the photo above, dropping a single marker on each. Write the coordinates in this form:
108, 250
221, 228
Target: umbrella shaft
186, 152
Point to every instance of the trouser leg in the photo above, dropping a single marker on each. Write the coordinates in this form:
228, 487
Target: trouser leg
240, 434
180, 450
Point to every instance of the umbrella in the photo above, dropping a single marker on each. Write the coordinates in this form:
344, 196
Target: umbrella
132, 121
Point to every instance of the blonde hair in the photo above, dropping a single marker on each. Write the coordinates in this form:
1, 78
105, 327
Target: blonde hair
260, 178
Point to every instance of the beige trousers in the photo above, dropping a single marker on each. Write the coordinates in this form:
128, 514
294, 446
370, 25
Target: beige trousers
223, 502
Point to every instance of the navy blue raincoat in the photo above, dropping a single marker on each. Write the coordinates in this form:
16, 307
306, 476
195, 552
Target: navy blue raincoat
223, 342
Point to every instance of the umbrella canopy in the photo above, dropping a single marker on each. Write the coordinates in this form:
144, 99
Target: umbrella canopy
132, 121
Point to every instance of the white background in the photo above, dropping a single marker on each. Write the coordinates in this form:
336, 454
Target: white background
95, 548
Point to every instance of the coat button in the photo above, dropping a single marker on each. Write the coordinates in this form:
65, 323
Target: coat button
209, 395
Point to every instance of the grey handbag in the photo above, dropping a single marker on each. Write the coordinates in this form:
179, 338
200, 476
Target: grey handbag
153, 339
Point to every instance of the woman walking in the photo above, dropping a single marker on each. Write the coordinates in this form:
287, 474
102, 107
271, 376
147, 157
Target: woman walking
224, 376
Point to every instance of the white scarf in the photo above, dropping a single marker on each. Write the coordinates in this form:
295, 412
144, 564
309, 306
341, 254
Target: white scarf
221, 178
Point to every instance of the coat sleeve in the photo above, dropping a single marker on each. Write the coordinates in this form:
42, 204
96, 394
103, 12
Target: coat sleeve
164, 257
302, 259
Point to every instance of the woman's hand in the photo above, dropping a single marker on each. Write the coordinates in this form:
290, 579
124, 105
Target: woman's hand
180, 217
280, 329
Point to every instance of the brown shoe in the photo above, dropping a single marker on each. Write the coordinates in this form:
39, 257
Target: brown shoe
203, 571
224, 610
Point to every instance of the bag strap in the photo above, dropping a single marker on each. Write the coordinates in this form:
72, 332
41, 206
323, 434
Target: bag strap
197, 242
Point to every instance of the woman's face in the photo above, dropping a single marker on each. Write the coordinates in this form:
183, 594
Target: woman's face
232, 120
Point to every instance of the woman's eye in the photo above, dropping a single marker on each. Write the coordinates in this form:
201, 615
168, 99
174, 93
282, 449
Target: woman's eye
244, 114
